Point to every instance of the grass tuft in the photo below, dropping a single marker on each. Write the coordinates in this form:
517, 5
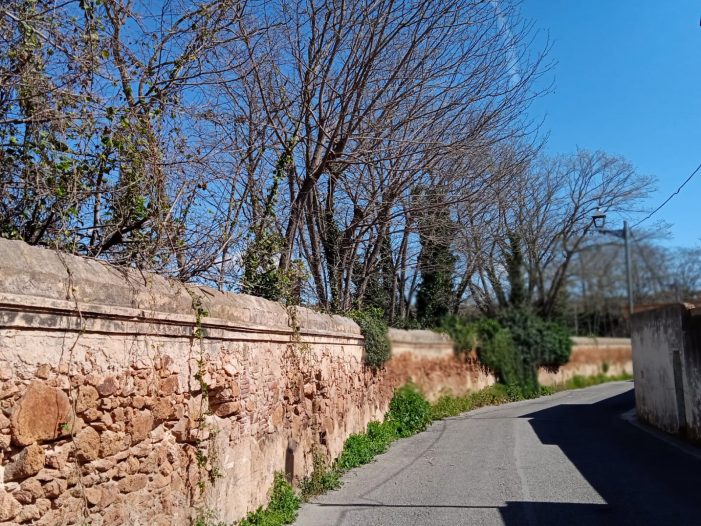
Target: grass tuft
324, 478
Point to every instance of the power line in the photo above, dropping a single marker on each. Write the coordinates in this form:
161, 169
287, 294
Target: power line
669, 198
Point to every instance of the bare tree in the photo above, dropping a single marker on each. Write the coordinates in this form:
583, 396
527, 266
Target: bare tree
190, 137
107, 142
373, 98
542, 218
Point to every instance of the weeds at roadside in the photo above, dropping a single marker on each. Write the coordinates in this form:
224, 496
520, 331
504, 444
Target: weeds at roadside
206, 519
579, 382
497, 394
282, 508
361, 448
409, 413
324, 478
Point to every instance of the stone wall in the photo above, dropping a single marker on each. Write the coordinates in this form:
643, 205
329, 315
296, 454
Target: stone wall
428, 360
667, 368
591, 357
128, 399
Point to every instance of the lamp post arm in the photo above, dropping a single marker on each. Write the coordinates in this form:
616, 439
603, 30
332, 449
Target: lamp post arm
618, 233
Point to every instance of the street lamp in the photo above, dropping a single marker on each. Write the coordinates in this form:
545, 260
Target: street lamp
599, 220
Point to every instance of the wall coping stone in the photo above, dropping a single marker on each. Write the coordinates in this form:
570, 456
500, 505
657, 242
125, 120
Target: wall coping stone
35, 283
600, 341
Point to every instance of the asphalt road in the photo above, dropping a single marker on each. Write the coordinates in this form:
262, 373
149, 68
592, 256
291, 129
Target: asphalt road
567, 459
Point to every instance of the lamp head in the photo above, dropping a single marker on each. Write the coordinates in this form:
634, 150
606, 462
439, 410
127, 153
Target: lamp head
599, 219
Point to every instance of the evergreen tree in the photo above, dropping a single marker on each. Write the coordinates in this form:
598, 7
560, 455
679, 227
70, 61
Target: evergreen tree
435, 297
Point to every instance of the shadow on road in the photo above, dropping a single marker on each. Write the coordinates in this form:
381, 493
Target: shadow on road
644, 481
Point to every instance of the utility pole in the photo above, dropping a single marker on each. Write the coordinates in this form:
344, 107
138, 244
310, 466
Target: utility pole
599, 220
629, 273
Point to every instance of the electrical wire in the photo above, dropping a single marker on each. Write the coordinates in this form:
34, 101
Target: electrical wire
669, 198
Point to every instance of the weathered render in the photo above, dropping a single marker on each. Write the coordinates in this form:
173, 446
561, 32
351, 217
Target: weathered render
590, 357
428, 359
667, 368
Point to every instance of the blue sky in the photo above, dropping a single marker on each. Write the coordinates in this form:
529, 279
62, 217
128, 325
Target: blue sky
627, 80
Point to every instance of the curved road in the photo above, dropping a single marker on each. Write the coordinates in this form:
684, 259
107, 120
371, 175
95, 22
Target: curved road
568, 459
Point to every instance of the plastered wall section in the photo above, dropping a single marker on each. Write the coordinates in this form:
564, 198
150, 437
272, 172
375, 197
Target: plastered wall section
591, 357
129, 399
428, 360
667, 369
691, 368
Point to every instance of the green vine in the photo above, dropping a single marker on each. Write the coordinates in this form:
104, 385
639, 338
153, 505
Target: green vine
69, 427
375, 331
291, 300
206, 456
262, 275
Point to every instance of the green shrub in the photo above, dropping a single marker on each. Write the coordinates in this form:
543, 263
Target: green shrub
381, 435
557, 345
357, 450
496, 350
540, 342
514, 346
409, 411
374, 330
463, 334
282, 508
408, 414
449, 405
537, 343
486, 328
527, 336
546, 390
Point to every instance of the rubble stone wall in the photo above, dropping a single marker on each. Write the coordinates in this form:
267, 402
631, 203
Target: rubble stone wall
428, 360
129, 399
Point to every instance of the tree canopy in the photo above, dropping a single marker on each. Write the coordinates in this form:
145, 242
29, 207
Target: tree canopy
345, 155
